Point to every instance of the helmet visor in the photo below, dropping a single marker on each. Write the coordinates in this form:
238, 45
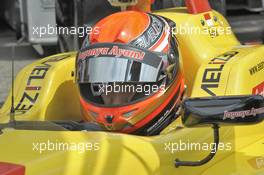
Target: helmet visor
106, 63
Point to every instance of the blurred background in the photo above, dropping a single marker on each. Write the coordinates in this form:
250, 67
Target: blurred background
19, 17
20, 21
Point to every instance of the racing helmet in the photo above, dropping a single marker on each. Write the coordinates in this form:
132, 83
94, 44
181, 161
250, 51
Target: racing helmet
129, 74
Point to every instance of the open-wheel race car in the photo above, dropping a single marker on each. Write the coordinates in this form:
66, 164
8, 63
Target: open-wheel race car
218, 129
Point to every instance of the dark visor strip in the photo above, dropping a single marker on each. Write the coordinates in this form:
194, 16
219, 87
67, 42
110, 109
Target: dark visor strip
120, 51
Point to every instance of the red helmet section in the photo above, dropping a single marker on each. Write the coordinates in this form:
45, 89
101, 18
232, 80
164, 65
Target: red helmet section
120, 27
132, 27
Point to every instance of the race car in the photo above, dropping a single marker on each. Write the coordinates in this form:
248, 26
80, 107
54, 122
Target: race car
219, 130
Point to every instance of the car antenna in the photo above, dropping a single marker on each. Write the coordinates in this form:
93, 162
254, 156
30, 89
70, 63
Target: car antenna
12, 120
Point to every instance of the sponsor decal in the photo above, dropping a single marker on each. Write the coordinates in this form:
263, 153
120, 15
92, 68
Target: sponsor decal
159, 122
242, 114
152, 33
259, 89
32, 92
212, 75
257, 162
257, 68
114, 51
208, 19
212, 26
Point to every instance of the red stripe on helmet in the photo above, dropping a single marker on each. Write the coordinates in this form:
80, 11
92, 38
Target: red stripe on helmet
159, 42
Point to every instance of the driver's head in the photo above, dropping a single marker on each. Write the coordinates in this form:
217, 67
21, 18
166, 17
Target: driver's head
129, 74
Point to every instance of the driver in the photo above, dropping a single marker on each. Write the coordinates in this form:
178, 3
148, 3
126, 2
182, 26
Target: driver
129, 74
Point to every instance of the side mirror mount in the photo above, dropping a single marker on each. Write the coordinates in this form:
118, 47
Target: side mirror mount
229, 110
220, 111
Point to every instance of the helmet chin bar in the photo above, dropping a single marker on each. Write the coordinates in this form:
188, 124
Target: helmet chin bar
123, 3
179, 163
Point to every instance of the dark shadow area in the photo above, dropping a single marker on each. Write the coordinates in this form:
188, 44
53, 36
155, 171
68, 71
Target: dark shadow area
23, 51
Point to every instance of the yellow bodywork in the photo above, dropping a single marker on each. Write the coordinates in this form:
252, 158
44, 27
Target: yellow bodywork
46, 90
